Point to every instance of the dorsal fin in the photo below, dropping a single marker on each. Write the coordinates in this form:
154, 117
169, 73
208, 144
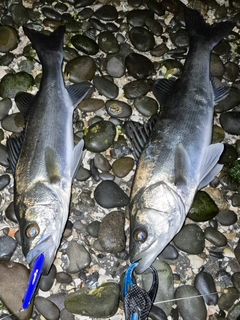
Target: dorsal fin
14, 145
52, 163
78, 91
139, 134
161, 89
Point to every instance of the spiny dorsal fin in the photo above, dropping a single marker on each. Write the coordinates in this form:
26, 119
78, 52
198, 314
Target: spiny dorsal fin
77, 158
220, 90
139, 134
161, 89
78, 91
209, 167
52, 163
182, 166
14, 145
24, 101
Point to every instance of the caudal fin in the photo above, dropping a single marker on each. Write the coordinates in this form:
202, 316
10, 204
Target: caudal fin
199, 30
44, 44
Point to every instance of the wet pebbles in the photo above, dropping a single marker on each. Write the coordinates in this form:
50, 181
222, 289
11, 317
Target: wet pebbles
121, 47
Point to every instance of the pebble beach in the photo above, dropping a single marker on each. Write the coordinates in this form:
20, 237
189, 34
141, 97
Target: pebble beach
121, 47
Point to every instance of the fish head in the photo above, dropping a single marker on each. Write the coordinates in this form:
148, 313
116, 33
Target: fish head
41, 232
156, 216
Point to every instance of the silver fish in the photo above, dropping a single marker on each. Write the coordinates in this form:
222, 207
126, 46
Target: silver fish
44, 158
178, 158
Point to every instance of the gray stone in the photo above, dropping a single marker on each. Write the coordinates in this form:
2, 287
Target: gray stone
78, 256
47, 308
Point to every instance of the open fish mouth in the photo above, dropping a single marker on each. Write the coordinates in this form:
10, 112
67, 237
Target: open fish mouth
46, 246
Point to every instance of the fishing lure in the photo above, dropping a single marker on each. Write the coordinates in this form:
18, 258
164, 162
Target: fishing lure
138, 302
33, 280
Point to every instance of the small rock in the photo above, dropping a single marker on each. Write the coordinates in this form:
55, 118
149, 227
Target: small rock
111, 232
46, 282
122, 166
206, 286
98, 303
118, 197
215, 237
227, 299
47, 308
7, 248
78, 256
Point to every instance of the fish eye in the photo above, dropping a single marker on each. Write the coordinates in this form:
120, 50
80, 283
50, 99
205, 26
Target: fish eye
32, 231
140, 235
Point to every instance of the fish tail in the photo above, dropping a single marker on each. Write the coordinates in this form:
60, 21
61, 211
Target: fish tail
46, 44
201, 31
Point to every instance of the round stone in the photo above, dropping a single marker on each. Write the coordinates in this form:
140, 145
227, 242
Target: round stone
205, 284
142, 39
105, 87
98, 303
231, 71
106, 12
4, 181
4, 156
137, 17
236, 280
203, 207
102, 163
85, 44
190, 239
14, 279
136, 88
47, 308
46, 282
10, 212
139, 66
197, 306
118, 197
80, 69
5, 106
9, 38
226, 217
79, 257
169, 253
111, 232
122, 166
118, 109
227, 299
91, 105
83, 174
107, 42
115, 66
180, 38
230, 121
93, 228
147, 106
154, 26
12, 83
63, 277
13, 122
7, 248
100, 136
215, 237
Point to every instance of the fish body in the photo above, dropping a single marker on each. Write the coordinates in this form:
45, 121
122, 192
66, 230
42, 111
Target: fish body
178, 158
47, 158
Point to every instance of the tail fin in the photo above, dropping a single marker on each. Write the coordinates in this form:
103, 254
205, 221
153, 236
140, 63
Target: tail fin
43, 43
199, 30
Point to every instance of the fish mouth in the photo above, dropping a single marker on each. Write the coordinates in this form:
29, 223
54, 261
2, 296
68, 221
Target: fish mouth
47, 247
146, 257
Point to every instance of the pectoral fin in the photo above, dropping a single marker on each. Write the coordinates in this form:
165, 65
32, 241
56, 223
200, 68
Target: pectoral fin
78, 91
52, 163
182, 166
210, 168
77, 158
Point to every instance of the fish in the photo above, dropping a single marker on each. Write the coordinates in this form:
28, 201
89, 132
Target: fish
44, 159
175, 157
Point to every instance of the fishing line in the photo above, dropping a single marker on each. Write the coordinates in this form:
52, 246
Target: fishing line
160, 302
